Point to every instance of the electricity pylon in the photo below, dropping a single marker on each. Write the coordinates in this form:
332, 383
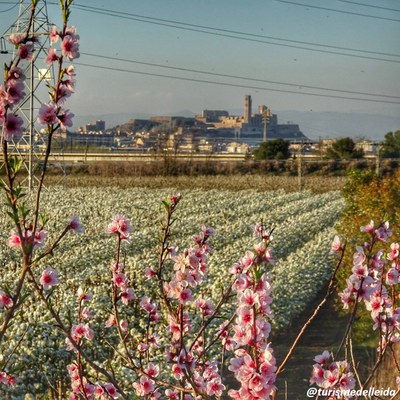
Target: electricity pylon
32, 145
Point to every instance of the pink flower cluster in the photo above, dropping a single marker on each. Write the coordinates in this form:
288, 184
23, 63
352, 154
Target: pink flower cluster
120, 226
80, 385
10, 95
49, 278
28, 238
146, 385
368, 279
90, 391
254, 362
7, 379
5, 300
190, 268
332, 375
53, 113
121, 282
81, 330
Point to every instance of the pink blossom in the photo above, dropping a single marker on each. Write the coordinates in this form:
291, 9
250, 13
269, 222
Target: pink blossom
13, 127
5, 300
144, 387
172, 394
336, 246
84, 295
54, 35
17, 38
120, 226
75, 225
15, 92
111, 391
123, 324
215, 387
174, 199
15, 74
86, 313
317, 375
111, 321
70, 70
51, 56
65, 118
207, 231
142, 347
120, 280
25, 51
7, 379
323, 358
47, 114
82, 330
14, 240
49, 278
147, 305
99, 391
71, 32
149, 273
127, 296
152, 370
63, 92
39, 238
70, 48
2, 113
248, 298
383, 232
185, 296
394, 251
206, 306
368, 228
392, 276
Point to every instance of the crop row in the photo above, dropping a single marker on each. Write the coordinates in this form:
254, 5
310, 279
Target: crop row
303, 228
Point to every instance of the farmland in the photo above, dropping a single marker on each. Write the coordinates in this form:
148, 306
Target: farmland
303, 229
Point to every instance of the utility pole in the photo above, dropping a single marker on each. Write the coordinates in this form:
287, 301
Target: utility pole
31, 147
378, 160
300, 166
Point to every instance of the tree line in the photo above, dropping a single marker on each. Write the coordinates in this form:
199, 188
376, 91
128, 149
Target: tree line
342, 148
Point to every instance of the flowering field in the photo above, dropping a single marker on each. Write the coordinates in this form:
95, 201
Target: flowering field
303, 232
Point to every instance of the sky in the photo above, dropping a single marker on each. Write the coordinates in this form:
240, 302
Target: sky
232, 42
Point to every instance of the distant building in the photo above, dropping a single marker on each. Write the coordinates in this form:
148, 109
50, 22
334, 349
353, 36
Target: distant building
95, 126
247, 110
72, 139
208, 116
249, 127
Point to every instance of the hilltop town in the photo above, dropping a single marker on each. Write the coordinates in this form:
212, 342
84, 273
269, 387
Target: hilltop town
209, 132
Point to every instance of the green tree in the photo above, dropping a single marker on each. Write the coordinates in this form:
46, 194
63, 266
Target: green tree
391, 145
277, 149
344, 148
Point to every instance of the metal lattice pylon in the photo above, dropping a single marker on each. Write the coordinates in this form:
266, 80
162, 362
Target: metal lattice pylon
31, 147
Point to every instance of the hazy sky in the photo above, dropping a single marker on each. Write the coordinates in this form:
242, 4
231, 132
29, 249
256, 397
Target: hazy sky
142, 36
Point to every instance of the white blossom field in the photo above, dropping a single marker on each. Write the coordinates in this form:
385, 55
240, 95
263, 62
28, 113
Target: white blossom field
303, 225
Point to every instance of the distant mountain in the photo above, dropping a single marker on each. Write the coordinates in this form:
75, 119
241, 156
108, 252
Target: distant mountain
337, 124
110, 119
314, 125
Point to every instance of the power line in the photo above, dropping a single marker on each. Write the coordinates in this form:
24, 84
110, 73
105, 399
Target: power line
11, 8
236, 76
234, 34
338, 11
232, 84
369, 5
